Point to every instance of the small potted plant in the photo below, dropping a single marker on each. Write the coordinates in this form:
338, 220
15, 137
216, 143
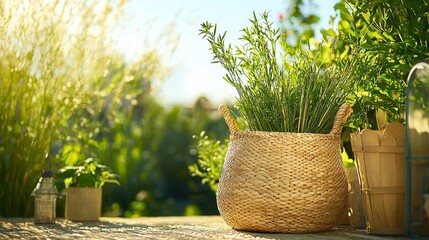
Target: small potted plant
83, 186
284, 172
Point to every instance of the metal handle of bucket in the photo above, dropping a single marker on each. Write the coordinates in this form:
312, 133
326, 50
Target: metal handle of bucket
341, 116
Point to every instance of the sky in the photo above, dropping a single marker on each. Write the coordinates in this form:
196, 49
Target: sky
193, 74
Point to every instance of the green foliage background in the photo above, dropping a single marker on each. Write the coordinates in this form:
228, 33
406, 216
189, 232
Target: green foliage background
150, 152
392, 37
54, 72
66, 95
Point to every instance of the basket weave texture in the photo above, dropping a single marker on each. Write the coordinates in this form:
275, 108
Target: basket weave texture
283, 182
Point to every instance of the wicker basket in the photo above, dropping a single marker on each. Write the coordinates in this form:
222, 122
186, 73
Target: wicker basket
283, 182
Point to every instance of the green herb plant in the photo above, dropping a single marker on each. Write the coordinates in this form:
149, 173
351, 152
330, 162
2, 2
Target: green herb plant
278, 91
211, 155
393, 36
90, 174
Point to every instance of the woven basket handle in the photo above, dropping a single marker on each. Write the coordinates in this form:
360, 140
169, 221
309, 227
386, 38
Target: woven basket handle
342, 115
232, 125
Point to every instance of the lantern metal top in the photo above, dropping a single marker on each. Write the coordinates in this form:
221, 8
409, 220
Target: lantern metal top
47, 173
45, 186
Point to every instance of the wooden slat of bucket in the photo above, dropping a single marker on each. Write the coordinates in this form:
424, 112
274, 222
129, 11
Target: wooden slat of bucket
357, 148
356, 142
372, 169
397, 130
393, 165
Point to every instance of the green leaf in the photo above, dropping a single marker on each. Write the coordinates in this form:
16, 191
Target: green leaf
311, 19
345, 25
328, 32
388, 36
366, 17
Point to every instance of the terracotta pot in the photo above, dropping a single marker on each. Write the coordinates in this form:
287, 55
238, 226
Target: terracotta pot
83, 204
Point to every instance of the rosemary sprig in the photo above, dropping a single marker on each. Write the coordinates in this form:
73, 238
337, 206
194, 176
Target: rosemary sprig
278, 91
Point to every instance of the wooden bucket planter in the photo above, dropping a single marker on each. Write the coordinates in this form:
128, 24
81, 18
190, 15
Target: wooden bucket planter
380, 159
283, 182
83, 204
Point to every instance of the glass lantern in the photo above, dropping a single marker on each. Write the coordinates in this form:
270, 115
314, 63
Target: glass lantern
45, 195
417, 152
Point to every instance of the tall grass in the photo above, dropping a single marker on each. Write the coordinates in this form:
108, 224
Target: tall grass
277, 91
60, 79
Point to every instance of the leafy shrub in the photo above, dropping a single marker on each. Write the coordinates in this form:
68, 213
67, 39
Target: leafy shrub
392, 36
211, 155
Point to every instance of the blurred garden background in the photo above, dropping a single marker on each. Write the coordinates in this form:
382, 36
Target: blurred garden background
131, 85
123, 82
